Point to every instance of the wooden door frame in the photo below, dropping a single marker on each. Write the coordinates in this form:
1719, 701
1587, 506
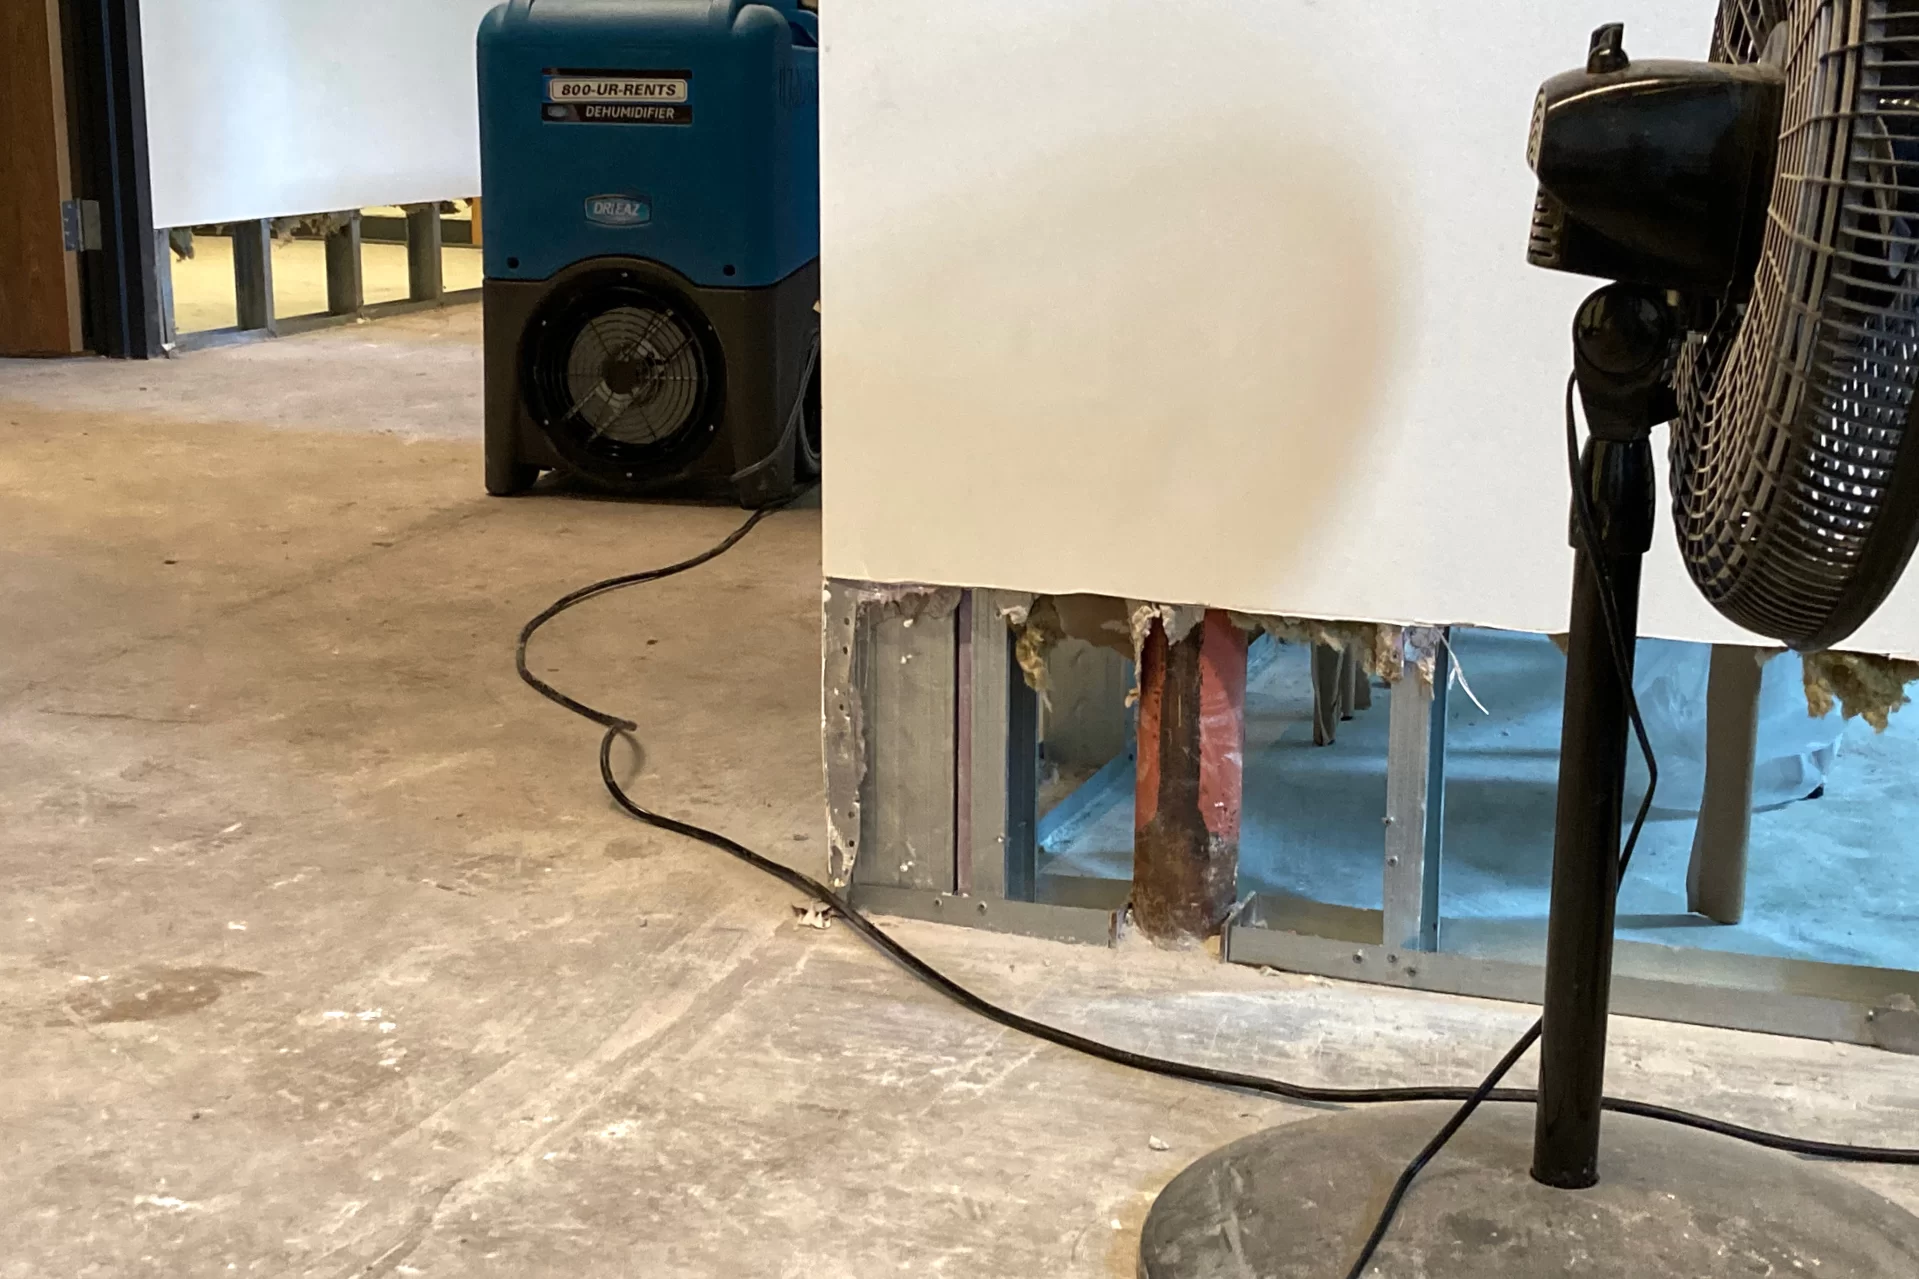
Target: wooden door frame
40, 306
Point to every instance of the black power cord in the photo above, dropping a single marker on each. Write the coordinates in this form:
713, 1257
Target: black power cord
793, 419
617, 727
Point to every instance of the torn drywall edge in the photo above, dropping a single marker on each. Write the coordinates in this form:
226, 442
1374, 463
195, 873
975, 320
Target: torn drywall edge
1039, 623
1867, 686
1384, 650
1123, 625
847, 608
842, 728
1863, 684
1177, 620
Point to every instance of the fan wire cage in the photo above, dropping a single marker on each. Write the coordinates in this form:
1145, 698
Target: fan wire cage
1795, 404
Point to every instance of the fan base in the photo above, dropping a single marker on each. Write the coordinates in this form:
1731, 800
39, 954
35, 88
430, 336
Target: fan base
1297, 1202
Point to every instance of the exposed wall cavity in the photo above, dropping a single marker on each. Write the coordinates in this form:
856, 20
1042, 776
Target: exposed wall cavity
1123, 625
1383, 651
1041, 623
849, 609
1861, 684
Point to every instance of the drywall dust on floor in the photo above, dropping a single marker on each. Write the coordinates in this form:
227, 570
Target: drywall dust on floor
322, 951
415, 376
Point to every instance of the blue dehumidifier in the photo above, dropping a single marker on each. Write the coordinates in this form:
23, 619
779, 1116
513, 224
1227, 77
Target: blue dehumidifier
650, 206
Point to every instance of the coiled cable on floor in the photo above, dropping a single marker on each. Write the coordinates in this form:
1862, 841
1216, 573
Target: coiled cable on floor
1486, 1091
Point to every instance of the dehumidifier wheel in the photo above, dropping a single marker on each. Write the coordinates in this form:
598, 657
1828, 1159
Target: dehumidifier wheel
624, 379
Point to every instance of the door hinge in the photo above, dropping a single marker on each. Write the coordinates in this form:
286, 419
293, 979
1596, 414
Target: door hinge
80, 224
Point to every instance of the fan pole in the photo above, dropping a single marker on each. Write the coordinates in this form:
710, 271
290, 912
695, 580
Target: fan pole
1622, 339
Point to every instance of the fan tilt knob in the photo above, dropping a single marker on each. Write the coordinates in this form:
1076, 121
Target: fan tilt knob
1607, 52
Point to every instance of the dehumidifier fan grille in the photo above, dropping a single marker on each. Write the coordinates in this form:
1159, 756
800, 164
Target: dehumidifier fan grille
623, 380
1795, 406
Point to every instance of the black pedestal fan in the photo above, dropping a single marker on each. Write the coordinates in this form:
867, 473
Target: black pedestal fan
1758, 218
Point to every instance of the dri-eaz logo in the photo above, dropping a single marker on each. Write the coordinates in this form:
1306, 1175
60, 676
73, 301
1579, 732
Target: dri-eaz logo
619, 210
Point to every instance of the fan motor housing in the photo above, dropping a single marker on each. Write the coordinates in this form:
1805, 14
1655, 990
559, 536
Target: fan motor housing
650, 195
1654, 172
1769, 201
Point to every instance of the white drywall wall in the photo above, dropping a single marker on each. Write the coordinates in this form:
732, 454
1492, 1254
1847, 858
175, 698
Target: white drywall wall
1216, 301
266, 108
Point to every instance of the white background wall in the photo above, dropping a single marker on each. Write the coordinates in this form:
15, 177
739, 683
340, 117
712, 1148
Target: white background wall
1217, 301
265, 108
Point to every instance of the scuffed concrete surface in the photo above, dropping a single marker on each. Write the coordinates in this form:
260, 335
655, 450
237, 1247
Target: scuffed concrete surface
416, 376
323, 954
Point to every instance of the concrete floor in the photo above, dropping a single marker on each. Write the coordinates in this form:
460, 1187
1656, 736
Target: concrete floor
322, 953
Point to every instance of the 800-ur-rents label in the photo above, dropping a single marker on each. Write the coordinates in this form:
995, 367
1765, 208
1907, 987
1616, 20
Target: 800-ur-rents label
580, 88
617, 97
